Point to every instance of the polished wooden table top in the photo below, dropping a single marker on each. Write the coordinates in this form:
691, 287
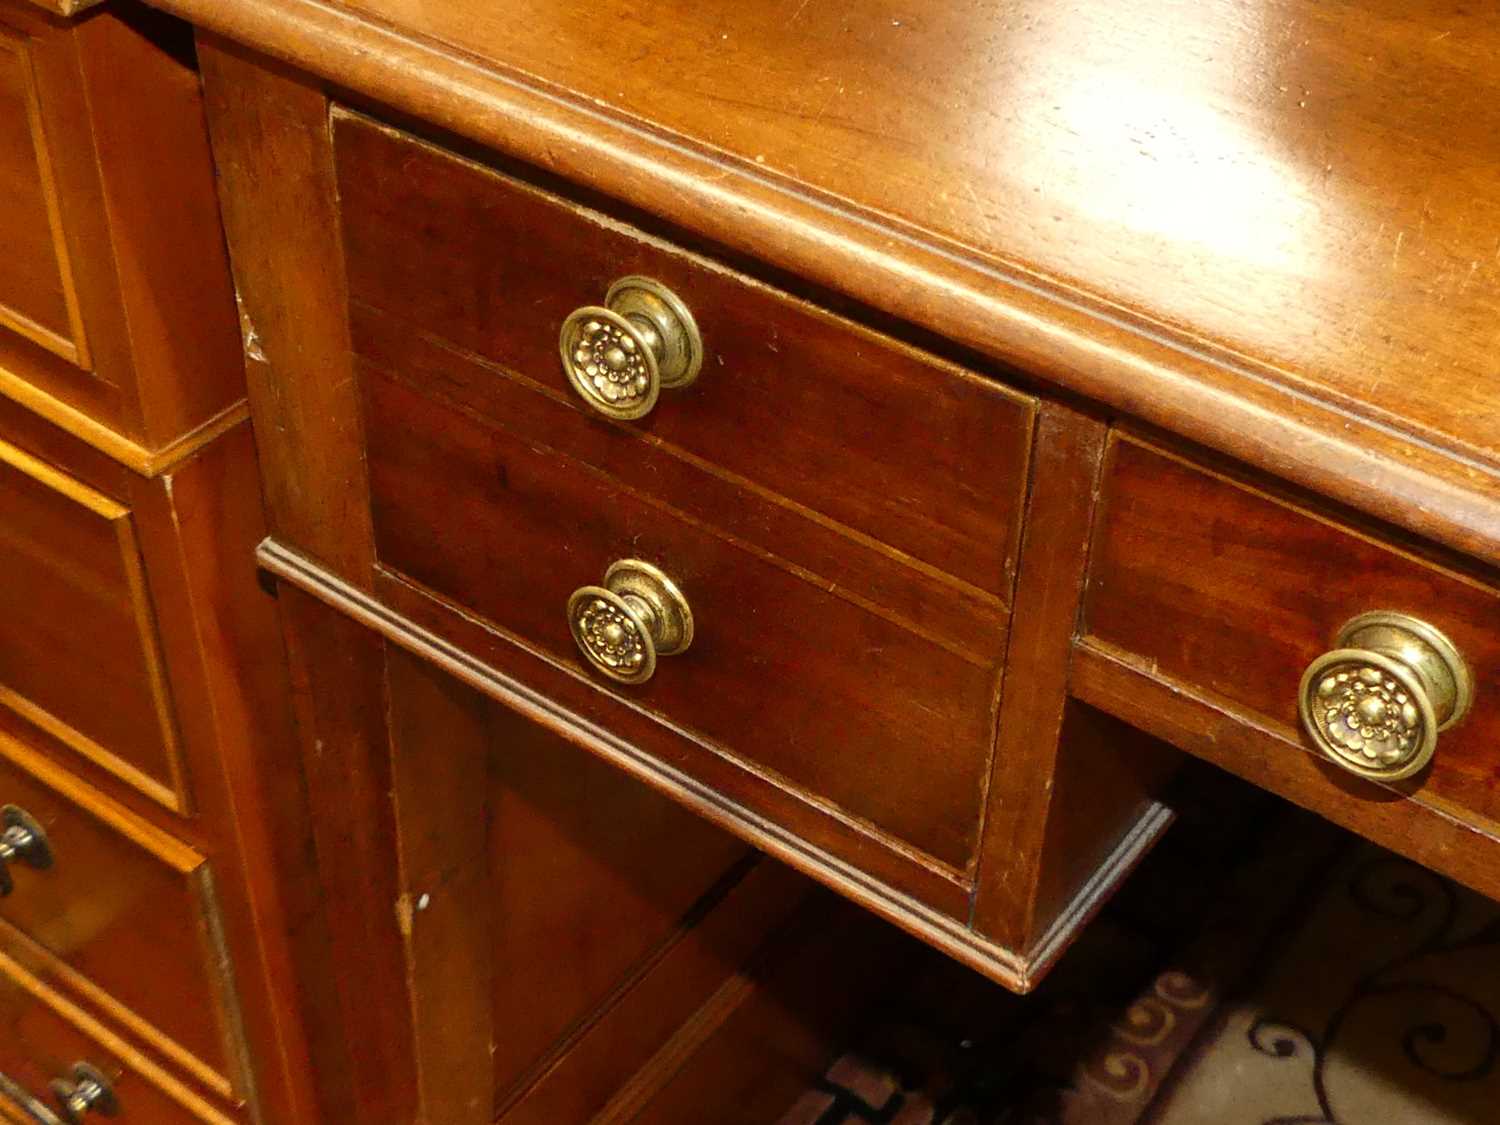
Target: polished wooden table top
1272, 225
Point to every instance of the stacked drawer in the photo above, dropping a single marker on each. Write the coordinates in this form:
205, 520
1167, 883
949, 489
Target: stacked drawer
112, 945
759, 554
126, 488
104, 904
839, 513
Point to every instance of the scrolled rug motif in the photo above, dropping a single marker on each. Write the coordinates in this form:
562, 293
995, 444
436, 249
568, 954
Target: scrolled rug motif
1317, 980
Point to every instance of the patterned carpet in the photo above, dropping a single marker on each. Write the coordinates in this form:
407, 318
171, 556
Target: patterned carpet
1261, 968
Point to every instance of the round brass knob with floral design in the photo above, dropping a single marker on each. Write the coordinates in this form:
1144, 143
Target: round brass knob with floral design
636, 616
620, 355
1376, 703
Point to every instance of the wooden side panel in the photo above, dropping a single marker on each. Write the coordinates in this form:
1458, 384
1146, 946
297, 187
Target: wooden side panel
1107, 779
200, 523
37, 297
280, 216
440, 778
123, 905
1215, 585
353, 966
536, 881
530, 887
824, 692
592, 876
76, 595
653, 1018
767, 1034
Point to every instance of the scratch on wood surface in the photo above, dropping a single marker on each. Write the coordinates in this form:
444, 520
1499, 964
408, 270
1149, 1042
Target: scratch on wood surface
253, 350
1396, 253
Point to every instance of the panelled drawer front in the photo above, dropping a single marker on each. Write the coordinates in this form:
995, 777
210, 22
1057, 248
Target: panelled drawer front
117, 318
1233, 593
40, 1043
125, 906
79, 652
842, 511
846, 703
37, 298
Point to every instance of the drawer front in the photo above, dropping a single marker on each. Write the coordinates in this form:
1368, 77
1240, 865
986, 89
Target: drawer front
885, 443
79, 653
1233, 593
834, 696
43, 1037
124, 906
37, 291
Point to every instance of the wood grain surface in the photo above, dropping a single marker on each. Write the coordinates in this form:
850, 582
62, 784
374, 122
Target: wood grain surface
1268, 225
38, 295
568, 704
72, 555
849, 426
839, 700
585, 873
118, 312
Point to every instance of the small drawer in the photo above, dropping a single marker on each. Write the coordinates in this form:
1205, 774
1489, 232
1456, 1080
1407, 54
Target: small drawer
841, 510
80, 655
50, 1049
119, 912
1234, 594
117, 317
831, 694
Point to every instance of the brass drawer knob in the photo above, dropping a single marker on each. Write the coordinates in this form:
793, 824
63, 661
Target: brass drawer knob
1376, 703
85, 1091
636, 616
23, 841
619, 357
